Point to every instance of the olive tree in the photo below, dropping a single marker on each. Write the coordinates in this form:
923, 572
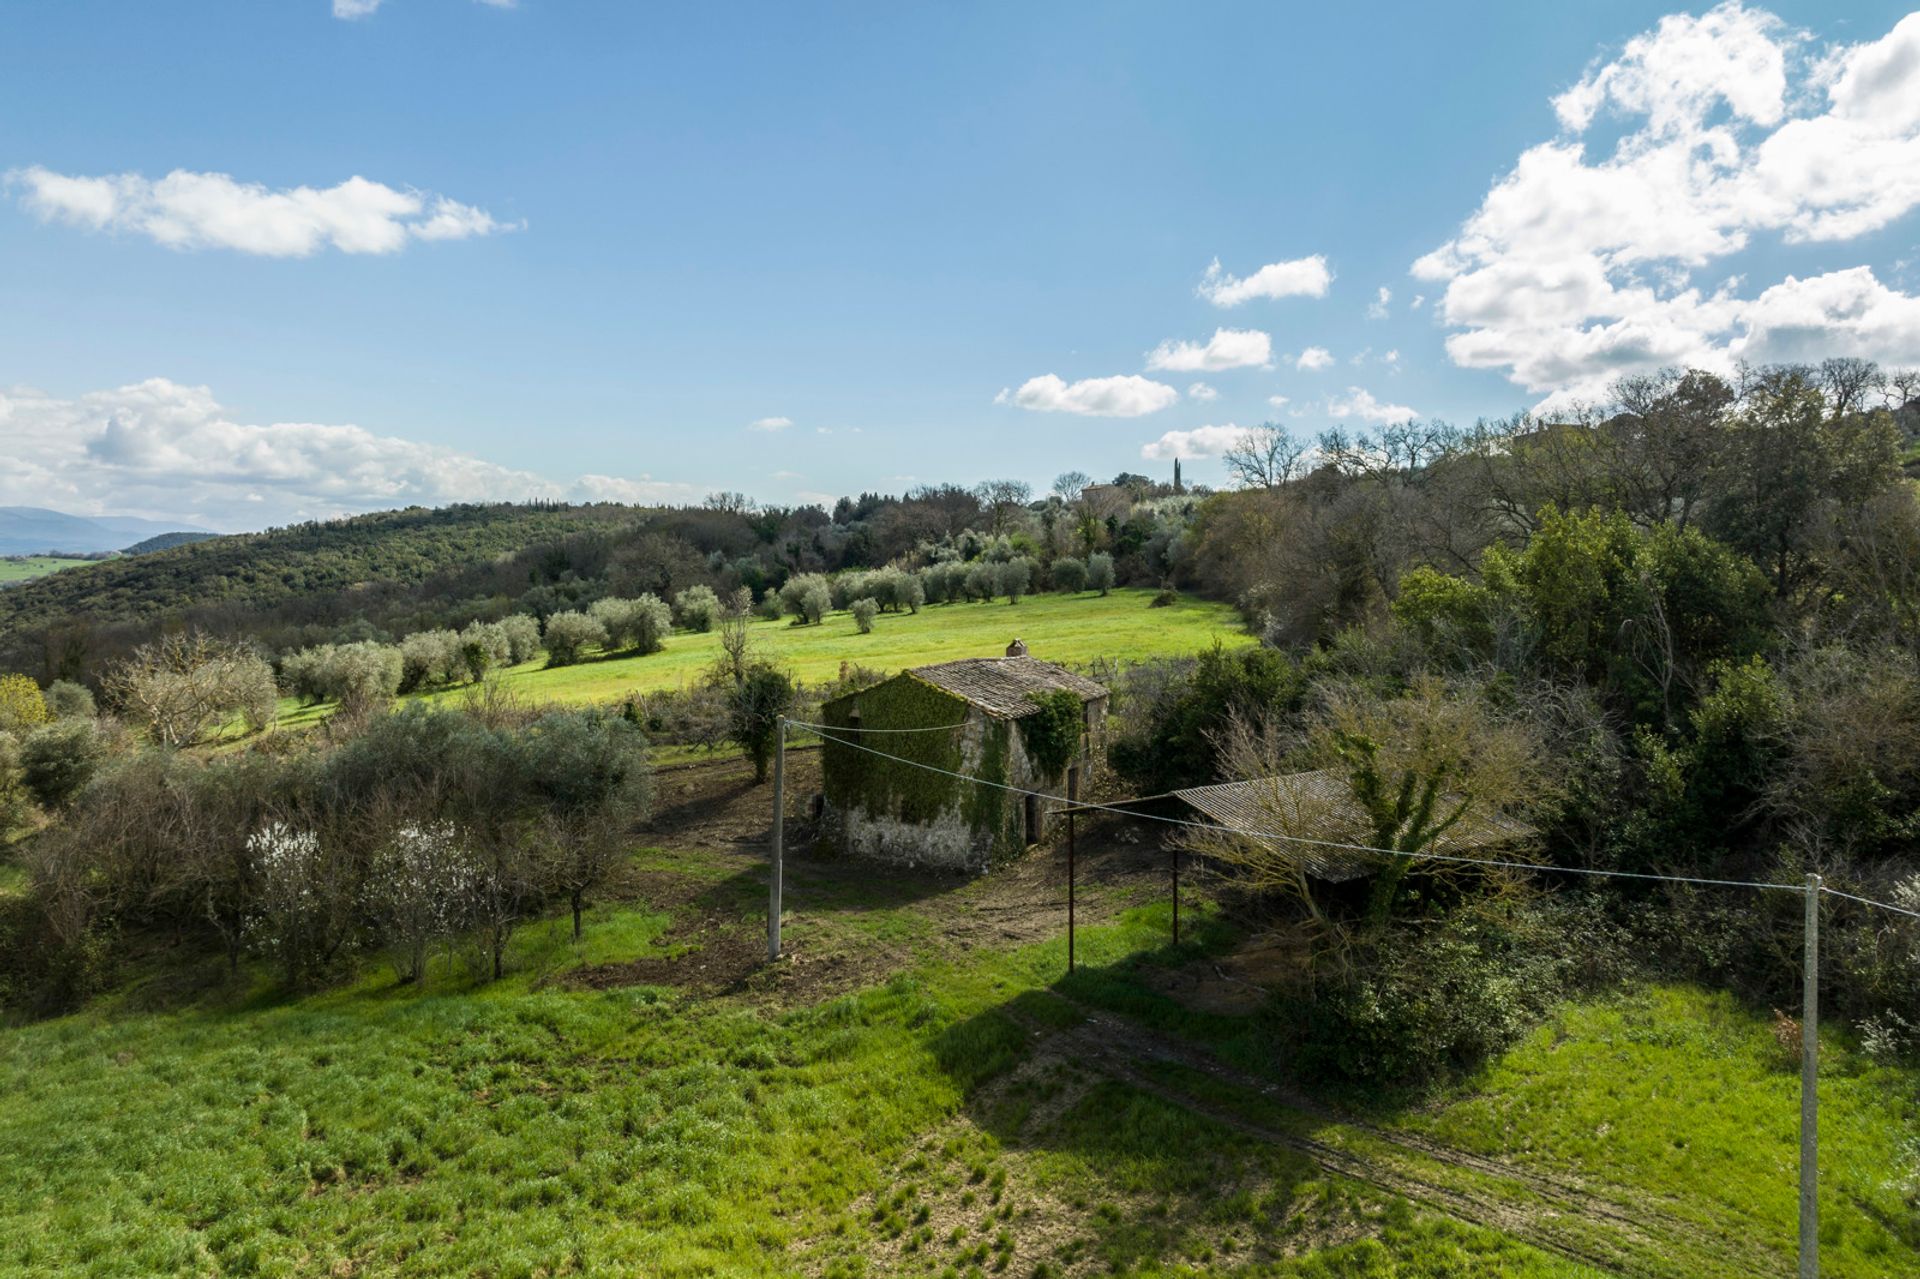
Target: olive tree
522, 634
807, 596
640, 624
697, 607
1100, 572
570, 634
182, 687
588, 780
430, 657
1014, 577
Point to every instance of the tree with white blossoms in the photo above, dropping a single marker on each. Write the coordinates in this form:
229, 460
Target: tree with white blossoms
300, 912
420, 891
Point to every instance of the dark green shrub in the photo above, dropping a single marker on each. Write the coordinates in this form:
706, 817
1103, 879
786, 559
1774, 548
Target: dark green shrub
1173, 710
58, 759
68, 700
1435, 997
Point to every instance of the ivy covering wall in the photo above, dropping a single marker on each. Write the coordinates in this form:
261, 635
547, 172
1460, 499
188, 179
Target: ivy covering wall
1052, 733
857, 780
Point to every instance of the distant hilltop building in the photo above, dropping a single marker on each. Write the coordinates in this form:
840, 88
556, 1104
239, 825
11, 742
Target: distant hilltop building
1015, 720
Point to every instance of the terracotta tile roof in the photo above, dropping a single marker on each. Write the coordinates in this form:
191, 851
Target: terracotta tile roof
1319, 805
1001, 685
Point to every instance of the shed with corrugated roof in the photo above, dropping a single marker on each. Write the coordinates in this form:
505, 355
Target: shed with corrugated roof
1316, 815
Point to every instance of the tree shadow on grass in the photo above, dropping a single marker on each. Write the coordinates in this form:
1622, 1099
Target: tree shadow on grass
1129, 1174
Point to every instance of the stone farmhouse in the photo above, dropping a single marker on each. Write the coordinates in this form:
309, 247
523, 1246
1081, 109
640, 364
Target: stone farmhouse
1013, 721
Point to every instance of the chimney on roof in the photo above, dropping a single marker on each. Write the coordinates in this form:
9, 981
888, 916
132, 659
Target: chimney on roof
1017, 649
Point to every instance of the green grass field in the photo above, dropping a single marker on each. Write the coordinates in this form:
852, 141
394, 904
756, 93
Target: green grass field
20, 568
1072, 629
923, 1122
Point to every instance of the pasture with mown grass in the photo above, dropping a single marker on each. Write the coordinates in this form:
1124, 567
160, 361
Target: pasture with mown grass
1074, 630
21, 568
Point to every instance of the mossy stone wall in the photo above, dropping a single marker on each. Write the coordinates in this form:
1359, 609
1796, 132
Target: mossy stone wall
893, 811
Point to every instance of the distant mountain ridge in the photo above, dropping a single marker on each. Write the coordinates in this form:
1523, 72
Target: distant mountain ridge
35, 530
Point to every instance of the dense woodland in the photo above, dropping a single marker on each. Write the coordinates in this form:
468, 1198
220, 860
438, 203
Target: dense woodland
1675, 633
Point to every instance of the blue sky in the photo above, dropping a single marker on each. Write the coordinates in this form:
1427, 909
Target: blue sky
669, 223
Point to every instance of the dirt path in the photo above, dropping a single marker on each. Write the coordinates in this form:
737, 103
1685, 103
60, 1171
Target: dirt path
1557, 1213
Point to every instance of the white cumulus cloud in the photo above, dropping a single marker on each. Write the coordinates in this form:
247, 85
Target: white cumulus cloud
1299, 277
1313, 359
1382, 300
1702, 138
365, 8
770, 424
169, 451
1201, 441
1201, 391
1359, 403
186, 210
1226, 349
1128, 395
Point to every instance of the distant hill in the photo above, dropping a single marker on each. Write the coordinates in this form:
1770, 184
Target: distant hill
34, 530
385, 567
165, 542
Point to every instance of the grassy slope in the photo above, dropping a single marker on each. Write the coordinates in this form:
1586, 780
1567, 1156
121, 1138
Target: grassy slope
517, 1131
19, 570
1687, 1096
1072, 629
523, 1128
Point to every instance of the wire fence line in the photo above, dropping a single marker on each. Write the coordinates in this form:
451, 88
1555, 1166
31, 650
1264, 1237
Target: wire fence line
828, 733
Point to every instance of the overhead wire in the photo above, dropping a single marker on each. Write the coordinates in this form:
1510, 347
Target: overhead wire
1868, 901
827, 732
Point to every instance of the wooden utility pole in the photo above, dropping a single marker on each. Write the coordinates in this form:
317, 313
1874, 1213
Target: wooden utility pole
1809, 1089
779, 837
1176, 895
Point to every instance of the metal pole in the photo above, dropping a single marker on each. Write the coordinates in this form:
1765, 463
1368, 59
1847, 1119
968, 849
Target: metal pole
1810, 1091
1069, 890
779, 837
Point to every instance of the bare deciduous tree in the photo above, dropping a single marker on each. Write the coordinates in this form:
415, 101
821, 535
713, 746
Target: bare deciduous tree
1266, 457
1413, 769
180, 688
1004, 500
